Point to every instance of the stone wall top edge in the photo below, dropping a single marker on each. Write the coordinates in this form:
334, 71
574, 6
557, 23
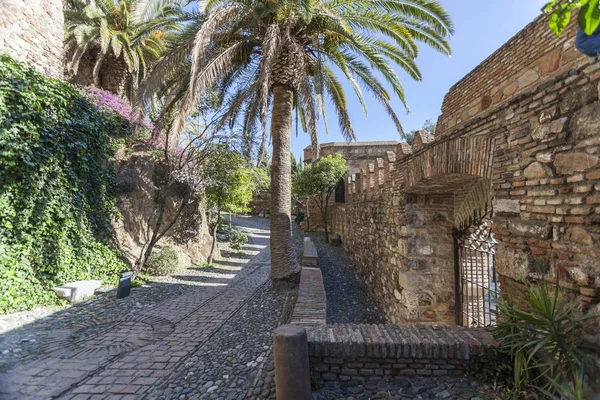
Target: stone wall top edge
356, 144
463, 129
502, 49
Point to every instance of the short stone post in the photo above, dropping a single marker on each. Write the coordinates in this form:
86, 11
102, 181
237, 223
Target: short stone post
292, 370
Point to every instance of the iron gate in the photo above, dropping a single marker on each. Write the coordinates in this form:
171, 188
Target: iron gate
477, 285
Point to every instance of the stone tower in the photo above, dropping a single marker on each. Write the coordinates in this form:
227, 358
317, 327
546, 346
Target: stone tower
32, 31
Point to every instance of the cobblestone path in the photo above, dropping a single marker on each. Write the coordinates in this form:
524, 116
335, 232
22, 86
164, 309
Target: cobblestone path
134, 351
348, 298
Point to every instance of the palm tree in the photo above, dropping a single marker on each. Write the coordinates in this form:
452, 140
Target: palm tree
281, 56
121, 50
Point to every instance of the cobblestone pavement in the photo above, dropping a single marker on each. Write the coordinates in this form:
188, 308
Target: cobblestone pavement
126, 349
237, 362
348, 298
409, 388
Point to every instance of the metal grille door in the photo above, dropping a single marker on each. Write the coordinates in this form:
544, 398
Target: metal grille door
477, 286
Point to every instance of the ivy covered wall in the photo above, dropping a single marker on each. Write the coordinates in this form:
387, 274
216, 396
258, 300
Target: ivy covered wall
57, 188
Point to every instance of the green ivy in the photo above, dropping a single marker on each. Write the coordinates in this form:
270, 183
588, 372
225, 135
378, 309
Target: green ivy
57, 187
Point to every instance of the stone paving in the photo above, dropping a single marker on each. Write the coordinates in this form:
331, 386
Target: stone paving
408, 388
126, 349
348, 298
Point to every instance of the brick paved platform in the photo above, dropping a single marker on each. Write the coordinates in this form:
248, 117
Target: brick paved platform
126, 356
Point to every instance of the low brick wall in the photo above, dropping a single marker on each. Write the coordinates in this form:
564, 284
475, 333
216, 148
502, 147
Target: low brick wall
374, 352
310, 310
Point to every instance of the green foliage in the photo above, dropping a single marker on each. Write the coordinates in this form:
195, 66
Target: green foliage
229, 185
361, 41
560, 15
495, 369
162, 262
262, 179
106, 27
540, 331
56, 187
322, 178
238, 239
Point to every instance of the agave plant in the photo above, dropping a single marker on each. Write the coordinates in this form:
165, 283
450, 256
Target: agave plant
541, 331
122, 49
277, 56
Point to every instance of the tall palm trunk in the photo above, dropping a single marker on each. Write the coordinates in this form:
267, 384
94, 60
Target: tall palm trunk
284, 265
115, 78
96, 70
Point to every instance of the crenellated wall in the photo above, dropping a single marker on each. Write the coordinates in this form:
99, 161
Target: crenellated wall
32, 31
533, 162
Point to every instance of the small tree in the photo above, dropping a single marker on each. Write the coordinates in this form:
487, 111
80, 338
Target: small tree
229, 186
318, 183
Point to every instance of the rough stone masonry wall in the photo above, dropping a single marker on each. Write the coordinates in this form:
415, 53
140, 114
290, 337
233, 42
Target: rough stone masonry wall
534, 158
530, 57
32, 31
355, 153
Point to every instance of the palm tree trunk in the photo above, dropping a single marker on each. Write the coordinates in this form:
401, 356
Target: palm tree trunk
284, 266
96, 70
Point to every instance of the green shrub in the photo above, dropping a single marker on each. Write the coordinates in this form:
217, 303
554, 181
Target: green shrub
56, 187
238, 239
540, 330
162, 262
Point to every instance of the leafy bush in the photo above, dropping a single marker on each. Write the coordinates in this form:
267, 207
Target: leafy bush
56, 187
162, 262
238, 239
540, 331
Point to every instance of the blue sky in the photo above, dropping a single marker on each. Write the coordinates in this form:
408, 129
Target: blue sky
481, 27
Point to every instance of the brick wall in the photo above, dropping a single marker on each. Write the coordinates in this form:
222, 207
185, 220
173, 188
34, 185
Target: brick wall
32, 31
372, 352
528, 59
534, 161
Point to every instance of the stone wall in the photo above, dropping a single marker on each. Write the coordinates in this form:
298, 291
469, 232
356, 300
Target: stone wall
140, 177
355, 153
533, 161
32, 31
532, 56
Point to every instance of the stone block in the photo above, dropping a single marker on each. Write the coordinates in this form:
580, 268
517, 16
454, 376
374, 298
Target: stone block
568, 163
578, 98
541, 131
578, 235
537, 170
527, 78
335, 239
506, 206
586, 122
530, 229
77, 291
550, 62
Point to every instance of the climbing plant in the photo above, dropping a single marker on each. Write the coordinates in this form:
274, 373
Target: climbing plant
588, 16
56, 187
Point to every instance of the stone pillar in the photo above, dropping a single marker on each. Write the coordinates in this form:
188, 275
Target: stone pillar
292, 370
379, 176
371, 181
388, 167
349, 189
